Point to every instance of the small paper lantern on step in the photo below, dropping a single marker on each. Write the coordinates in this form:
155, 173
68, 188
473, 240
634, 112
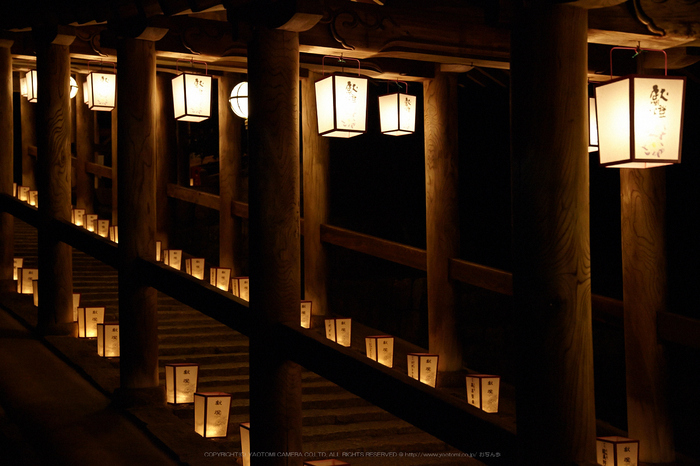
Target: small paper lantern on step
211, 411
181, 382
423, 367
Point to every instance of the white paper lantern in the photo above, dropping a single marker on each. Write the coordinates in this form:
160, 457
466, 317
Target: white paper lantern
23, 86
240, 286
211, 411
114, 234
35, 289
78, 217
76, 305
483, 391
108, 339
91, 222
33, 198
103, 228
159, 247
339, 331
341, 105
306, 314
423, 367
25, 276
17, 263
31, 86
173, 258
617, 451
23, 193
192, 97
244, 428
181, 382
88, 318
101, 88
220, 277
73, 87
195, 267
397, 114
239, 100
380, 348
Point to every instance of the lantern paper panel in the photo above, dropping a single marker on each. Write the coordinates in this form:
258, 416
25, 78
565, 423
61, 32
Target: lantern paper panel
101, 91
592, 126
211, 411
220, 277
159, 247
423, 367
617, 451
239, 100
181, 382
23, 193
23, 86
76, 305
195, 267
103, 228
73, 87
114, 234
88, 318
31, 86
341, 105
397, 114
240, 286
78, 217
306, 314
17, 263
640, 121
380, 348
14, 189
108, 340
91, 222
33, 198
35, 289
483, 391
328, 462
25, 276
192, 97
173, 258
244, 428
340, 331
85, 92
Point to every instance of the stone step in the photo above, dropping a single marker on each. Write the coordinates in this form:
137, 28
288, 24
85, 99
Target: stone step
194, 336
203, 348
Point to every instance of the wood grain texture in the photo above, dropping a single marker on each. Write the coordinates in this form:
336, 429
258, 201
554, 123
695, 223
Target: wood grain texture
275, 275
166, 148
115, 160
137, 205
644, 289
55, 315
6, 166
316, 195
28, 122
551, 239
98, 170
84, 150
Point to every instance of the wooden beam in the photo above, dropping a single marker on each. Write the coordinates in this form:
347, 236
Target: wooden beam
99, 170
193, 196
6, 165
84, 150
482, 276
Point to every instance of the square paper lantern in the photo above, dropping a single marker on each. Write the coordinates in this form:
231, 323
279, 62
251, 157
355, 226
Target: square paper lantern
23, 86
617, 451
101, 89
25, 277
181, 382
340, 331
380, 348
108, 340
88, 318
31, 86
220, 277
114, 234
211, 410
103, 228
195, 267
192, 97
85, 92
76, 305
397, 114
341, 105
173, 258
423, 367
482, 391
33, 198
91, 222
159, 247
306, 314
35, 289
328, 462
78, 217
240, 286
640, 121
244, 428
17, 263
23, 193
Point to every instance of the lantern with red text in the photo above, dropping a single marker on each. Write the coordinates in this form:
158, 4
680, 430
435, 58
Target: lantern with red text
617, 451
482, 391
220, 277
181, 382
88, 318
380, 348
339, 331
306, 314
108, 339
423, 367
211, 411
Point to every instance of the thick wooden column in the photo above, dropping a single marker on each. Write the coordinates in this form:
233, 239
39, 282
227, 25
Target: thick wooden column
6, 164
551, 240
28, 116
84, 150
115, 160
644, 288
55, 315
230, 233
275, 281
316, 211
442, 216
137, 204
166, 152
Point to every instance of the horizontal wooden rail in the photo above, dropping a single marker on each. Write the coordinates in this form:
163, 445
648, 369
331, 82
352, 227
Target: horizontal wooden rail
481, 276
98, 170
193, 196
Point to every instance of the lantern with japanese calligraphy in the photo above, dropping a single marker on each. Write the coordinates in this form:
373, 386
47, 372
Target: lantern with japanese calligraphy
195, 267
240, 286
14, 189
31, 86
35, 289
17, 264
108, 339
244, 428
397, 113
341, 104
306, 314
220, 277
211, 411
88, 318
192, 96
23, 193
617, 451
114, 234
33, 198
327, 462
340, 331
592, 126
239, 100
423, 367
77, 217
380, 348
91, 222
173, 258
25, 276
482, 391
181, 382
101, 88
103, 228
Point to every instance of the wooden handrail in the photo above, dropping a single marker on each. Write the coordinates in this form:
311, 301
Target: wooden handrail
98, 170
193, 196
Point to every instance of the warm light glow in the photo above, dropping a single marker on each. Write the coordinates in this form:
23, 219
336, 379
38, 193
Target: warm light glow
341, 105
31, 86
159, 247
240, 286
88, 318
173, 258
192, 97
239, 100
244, 428
482, 391
306, 314
86, 92
91, 222
35, 289
73, 87
101, 91
380, 348
108, 340
103, 228
25, 276
617, 451
181, 382
592, 126
78, 217
211, 411
220, 277
195, 267
17, 262
640, 121
23, 86
76, 305
328, 462
339, 331
423, 367
114, 234
23, 193
397, 113
34, 198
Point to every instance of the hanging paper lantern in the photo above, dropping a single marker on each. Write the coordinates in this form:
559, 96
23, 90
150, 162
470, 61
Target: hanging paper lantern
31, 86
101, 91
341, 104
397, 114
239, 100
192, 96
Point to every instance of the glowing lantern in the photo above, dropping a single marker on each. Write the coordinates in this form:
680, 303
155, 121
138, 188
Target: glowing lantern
25, 277
17, 263
244, 428
101, 90
114, 234
88, 318
34, 198
592, 126
340, 331
328, 462
239, 100
211, 411
220, 277
35, 290
173, 258
103, 228
78, 217
306, 314
85, 92
23, 86
31, 86
423, 367
617, 451
14, 189
73, 87
192, 96
195, 267
76, 304
240, 286
341, 104
108, 340
380, 348
482, 391
397, 114
181, 382
23, 193
90, 220
159, 246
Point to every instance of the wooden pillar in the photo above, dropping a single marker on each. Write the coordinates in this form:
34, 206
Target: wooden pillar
166, 151
551, 239
84, 150
644, 288
230, 232
315, 161
275, 281
6, 164
28, 116
442, 216
115, 160
55, 315
137, 204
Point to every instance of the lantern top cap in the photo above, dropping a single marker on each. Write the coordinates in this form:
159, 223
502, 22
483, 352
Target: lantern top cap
114, 67
340, 60
637, 51
192, 62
